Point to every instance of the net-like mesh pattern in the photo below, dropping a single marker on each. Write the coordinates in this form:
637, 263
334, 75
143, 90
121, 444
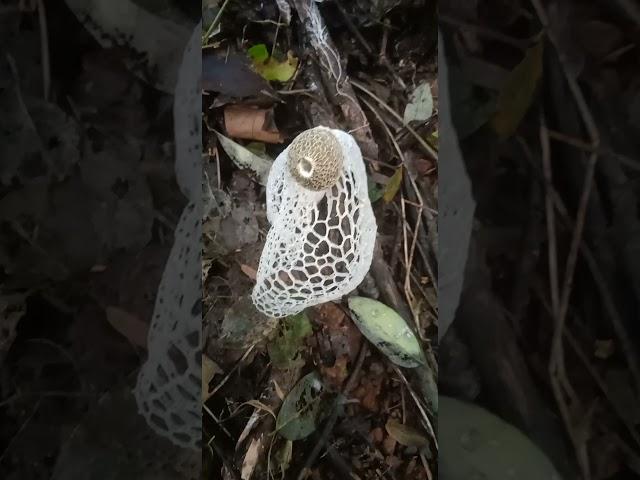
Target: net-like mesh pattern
320, 244
168, 391
169, 383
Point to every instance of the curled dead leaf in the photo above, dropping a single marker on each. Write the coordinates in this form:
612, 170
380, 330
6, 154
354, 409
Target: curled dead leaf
209, 370
249, 271
128, 325
250, 459
251, 123
404, 434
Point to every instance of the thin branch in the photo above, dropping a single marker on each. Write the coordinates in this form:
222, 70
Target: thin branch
423, 143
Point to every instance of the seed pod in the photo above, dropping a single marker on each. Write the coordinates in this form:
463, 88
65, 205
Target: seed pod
315, 159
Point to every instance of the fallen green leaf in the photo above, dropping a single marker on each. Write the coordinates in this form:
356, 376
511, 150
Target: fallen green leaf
257, 148
300, 411
259, 53
478, 444
517, 93
270, 68
387, 331
420, 106
393, 186
285, 347
283, 459
434, 139
375, 192
244, 158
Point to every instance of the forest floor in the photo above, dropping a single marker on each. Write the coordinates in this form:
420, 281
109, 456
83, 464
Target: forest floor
370, 69
546, 102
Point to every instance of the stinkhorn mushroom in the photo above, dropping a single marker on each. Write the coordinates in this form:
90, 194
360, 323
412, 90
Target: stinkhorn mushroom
320, 244
169, 383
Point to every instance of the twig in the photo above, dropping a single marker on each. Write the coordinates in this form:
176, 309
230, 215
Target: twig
356, 33
423, 143
623, 335
214, 24
419, 405
557, 367
581, 144
353, 29
556, 359
328, 428
385, 127
598, 380
228, 375
484, 31
551, 222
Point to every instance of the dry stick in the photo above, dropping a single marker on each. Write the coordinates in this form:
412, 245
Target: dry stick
232, 371
556, 363
616, 320
385, 127
353, 29
408, 257
599, 381
556, 352
423, 143
551, 231
603, 287
409, 263
416, 400
486, 32
602, 385
328, 428
581, 144
356, 33
214, 24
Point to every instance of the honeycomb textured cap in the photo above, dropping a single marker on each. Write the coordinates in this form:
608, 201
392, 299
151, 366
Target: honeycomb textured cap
315, 159
320, 243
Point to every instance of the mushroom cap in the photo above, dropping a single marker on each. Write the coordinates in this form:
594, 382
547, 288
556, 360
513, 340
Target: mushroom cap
315, 159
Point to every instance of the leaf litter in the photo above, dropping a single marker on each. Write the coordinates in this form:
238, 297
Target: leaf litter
327, 383
539, 266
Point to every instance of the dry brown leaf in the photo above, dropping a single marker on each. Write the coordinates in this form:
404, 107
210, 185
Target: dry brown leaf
278, 390
260, 406
248, 271
209, 370
389, 445
250, 459
128, 325
404, 434
379, 178
251, 123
